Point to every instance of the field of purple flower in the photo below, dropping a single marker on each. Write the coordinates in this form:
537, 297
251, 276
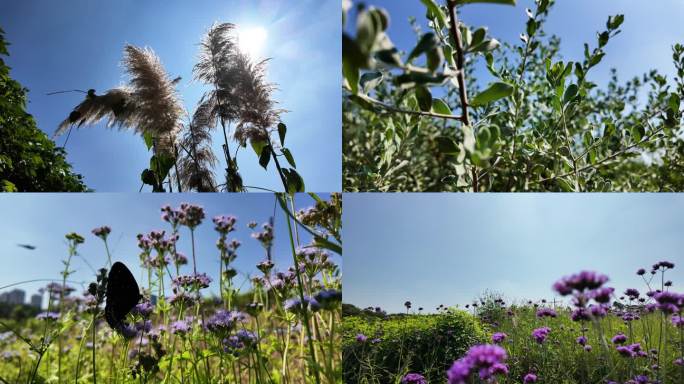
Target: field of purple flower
280, 329
601, 336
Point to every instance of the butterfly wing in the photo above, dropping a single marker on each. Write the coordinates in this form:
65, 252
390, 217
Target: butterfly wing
122, 294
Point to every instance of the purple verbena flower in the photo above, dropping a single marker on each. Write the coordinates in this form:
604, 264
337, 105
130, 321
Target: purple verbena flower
580, 282
546, 312
487, 359
499, 337
413, 378
540, 334
620, 338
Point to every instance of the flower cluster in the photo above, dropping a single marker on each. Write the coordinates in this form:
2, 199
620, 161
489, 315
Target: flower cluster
486, 359
224, 321
75, 238
583, 281
200, 280
632, 350
546, 312
329, 299
265, 237
296, 305
620, 338
540, 334
180, 327
669, 302
224, 224
190, 215
143, 309
102, 232
48, 316
242, 340
499, 337
413, 378
661, 266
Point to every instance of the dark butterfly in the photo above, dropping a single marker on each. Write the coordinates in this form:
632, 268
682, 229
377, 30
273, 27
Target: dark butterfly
122, 295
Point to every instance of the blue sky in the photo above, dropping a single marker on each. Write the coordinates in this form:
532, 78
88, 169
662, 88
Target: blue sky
43, 220
447, 249
77, 44
649, 31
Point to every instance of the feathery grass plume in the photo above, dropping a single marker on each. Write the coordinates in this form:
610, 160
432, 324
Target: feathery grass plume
148, 104
257, 113
215, 67
197, 159
158, 106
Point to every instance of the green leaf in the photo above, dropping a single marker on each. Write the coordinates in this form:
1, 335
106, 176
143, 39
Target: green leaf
426, 43
7, 186
434, 59
149, 140
352, 53
295, 183
614, 22
147, 177
478, 36
485, 46
420, 78
468, 138
565, 185
265, 156
673, 103
258, 146
161, 164
321, 242
603, 38
370, 80
494, 92
282, 130
424, 98
439, 106
288, 156
435, 11
447, 146
570, 93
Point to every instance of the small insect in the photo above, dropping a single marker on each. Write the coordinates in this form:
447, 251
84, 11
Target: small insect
27, 246
122, 295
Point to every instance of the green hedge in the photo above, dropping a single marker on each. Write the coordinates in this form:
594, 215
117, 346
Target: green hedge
396, 345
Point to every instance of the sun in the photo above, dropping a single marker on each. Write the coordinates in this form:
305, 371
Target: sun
252, 40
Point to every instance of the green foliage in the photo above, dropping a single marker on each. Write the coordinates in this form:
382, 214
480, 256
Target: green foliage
562, 360
407, 343
540, 125
29, 160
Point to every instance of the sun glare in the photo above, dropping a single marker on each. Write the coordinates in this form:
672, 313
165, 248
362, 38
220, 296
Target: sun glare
252, 41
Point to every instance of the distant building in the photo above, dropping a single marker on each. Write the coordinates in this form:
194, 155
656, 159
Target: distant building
37, 301
14, 297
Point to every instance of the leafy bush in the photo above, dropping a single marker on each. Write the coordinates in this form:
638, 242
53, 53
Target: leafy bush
405, 343
420, 120
29, 160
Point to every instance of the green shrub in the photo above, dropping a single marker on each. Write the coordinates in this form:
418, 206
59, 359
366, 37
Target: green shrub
400, 344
